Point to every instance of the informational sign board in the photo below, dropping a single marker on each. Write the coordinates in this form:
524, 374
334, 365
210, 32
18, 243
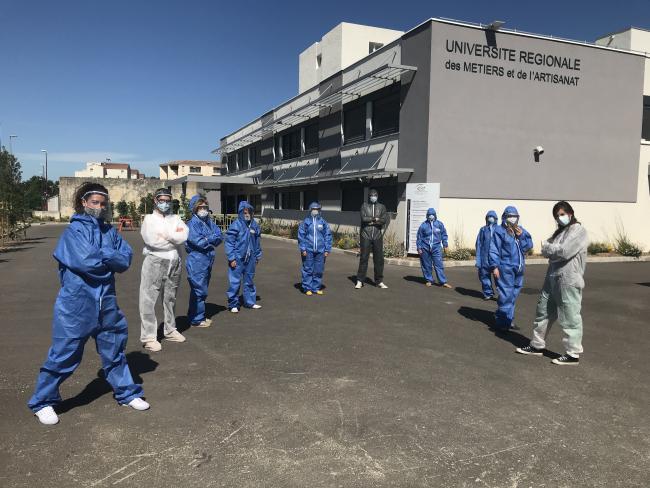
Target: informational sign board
419, 198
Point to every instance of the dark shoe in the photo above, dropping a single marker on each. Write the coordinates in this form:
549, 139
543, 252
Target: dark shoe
514, 328
566, 360
530, 350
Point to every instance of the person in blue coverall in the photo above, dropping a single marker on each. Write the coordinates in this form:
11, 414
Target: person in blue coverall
89, 253
243, 251
204, 235
482, 251
431, 239
315, 244
507, 261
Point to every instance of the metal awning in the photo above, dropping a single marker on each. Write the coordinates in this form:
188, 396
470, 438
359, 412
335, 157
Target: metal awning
337, 176
374, 80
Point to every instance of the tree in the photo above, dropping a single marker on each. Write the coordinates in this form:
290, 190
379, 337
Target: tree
133, 212
32, 190
146, 204
122, 208
11, 199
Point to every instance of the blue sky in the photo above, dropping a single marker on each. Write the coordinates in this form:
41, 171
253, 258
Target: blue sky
147, 81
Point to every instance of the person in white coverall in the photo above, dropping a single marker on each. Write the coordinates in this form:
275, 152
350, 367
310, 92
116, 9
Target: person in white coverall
163, 232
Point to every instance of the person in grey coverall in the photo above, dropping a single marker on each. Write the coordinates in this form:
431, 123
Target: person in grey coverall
561, 296
374, 220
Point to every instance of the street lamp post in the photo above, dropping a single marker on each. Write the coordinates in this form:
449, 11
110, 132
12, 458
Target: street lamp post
11, 136
45, 181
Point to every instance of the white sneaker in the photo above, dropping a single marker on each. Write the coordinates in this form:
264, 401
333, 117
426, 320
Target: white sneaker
153, 346
138, 404
203, 324
256, 307
234, 310
175, 336
382, 286
47, 416
358, 285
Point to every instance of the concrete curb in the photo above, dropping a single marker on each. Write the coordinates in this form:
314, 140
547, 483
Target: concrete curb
415, 263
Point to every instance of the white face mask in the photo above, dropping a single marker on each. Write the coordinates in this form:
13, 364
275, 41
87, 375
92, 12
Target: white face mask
431, 217
202, 213
314, 213
491, 220
513, 220
563, 220
247, 217
373, 199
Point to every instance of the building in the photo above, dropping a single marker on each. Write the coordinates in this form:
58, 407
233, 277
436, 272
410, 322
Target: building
109, 170
463, 105
178, 169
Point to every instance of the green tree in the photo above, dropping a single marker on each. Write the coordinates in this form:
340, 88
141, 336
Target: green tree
122, 208
11, 199
32, 190
146, 204
133, 212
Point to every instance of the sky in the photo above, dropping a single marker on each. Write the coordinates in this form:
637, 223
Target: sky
149, 81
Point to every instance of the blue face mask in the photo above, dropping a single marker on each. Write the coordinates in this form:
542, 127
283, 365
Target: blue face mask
163, 206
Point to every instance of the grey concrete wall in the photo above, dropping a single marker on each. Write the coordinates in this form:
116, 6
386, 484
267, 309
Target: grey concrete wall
414, 113
483, 127
118, 189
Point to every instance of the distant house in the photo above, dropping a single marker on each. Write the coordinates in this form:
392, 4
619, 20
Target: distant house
96, 169
177, 169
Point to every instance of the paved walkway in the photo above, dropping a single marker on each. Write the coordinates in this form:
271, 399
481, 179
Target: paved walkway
402, 387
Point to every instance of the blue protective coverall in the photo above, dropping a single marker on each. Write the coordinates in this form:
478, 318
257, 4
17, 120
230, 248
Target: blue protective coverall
89, 253
204, 235
431, 238
314, 239
482, 251
507, 253
243, 246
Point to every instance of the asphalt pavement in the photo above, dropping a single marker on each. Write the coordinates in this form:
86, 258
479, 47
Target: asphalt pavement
404, 387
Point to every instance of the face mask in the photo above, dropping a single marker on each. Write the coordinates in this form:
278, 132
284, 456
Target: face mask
202, 213
563, 220
491, 220
431, 217
512, 220
373, 199
314, 213
98, 213
163, 206
247, 217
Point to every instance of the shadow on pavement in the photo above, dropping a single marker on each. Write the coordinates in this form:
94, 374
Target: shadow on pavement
415, 279
644, 284
139, 363
15, 249
468, 292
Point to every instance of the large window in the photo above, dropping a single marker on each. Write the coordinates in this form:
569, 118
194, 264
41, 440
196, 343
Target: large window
195, 169
276, 148
311, 139
252, 155
291, 200
310, 195
351, 196
645, 128
291, 144
354, 124
256, 202
276, 201
385, 115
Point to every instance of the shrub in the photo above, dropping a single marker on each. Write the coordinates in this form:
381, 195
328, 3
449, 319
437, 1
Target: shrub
266, 226
346, 242
624, 246
122, 208
293, 231
393, 248
599, 247
460, 254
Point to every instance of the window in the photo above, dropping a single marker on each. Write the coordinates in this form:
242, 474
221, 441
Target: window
252, 156
311, 139
291, 144
385, 115
256, 202
195, 169
309, 196
645, 127
374, 46
388, 196
291, 200
276, 201
351, 196
319, 60
354, 124
215, 170
276, 149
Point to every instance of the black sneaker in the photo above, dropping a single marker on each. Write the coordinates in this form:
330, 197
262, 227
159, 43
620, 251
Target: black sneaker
566, 360
530, 350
